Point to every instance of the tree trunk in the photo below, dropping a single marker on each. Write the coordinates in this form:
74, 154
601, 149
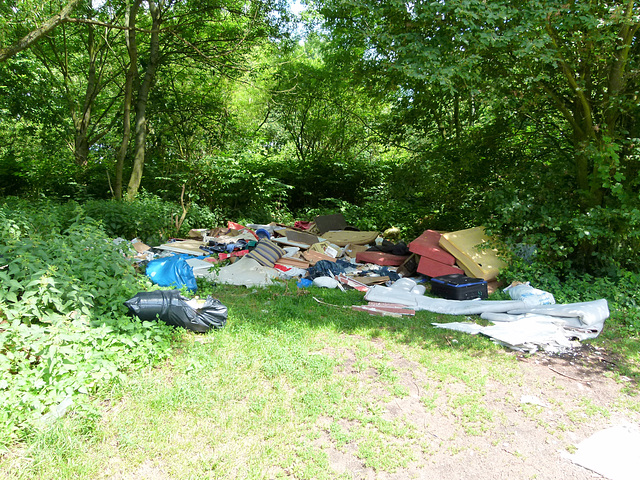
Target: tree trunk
132, 49
83, 120
456, 116
141, 103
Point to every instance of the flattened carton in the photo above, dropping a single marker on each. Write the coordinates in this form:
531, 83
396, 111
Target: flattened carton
459, 287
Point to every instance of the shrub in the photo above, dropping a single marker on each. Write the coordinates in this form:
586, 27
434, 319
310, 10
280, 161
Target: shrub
64, 332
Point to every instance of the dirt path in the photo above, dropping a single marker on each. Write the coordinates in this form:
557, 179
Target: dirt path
518, 431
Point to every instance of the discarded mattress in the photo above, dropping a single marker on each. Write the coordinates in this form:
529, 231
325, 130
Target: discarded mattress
427, 246
466, 246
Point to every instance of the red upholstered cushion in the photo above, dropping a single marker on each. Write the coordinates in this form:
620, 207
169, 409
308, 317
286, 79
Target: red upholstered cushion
380, 258
426, 245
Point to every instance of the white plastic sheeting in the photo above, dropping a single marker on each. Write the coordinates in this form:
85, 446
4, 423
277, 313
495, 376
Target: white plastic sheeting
523, 325
392, 294
200, 267
612, 452
583, 315
245, 271
526, 335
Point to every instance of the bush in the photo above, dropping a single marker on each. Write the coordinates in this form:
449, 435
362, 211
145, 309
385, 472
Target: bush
64, 332
149, 218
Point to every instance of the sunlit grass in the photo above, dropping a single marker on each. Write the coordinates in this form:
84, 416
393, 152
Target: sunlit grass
284, 386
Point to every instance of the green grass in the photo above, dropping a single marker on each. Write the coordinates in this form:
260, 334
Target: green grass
285, 387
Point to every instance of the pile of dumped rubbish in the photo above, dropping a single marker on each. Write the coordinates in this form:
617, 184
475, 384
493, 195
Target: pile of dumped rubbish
460, 268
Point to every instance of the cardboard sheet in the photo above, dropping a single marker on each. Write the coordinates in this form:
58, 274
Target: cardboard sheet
353, 250
291, 243
300, 237
314, 257
191, 247
476, 262
324, 223
293, 262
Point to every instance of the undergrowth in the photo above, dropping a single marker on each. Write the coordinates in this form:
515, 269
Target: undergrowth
149, 218
64, 333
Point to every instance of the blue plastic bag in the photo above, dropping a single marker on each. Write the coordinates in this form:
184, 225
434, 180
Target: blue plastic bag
304, 283
172, 271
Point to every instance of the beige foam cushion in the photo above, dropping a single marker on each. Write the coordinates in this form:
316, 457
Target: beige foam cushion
345, 237
466, 246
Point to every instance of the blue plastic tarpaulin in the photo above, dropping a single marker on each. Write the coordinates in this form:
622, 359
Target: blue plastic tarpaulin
172, 271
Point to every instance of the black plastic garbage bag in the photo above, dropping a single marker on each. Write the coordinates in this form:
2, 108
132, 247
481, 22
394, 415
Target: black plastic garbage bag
399, 248
172, 308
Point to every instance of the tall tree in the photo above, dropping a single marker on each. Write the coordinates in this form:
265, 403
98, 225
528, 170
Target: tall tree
80, 64
152, 63
212, 35
131, 14
578, 58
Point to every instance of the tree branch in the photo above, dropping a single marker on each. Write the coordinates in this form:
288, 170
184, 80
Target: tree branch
573, 83
37, 34
563, 108
86, 21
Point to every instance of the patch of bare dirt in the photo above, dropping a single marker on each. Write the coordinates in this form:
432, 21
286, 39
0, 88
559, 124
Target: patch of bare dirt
555, 402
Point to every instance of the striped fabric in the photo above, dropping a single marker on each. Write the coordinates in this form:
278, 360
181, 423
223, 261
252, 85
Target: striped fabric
266, 252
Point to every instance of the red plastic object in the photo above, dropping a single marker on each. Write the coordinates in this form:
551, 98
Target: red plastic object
432, 268
380, 258
237, 226
282, 268
426, 245
239, 253
302, 225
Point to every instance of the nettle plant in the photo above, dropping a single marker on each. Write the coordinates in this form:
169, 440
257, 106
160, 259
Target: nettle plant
64, 333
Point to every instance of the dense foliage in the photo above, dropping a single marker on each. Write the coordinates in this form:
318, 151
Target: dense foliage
521, 116
63, 328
